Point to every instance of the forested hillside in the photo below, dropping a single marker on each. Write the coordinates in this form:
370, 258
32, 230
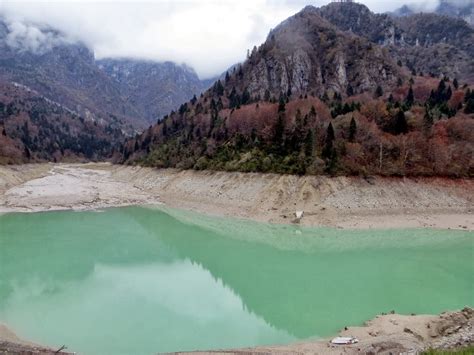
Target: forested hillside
317, 100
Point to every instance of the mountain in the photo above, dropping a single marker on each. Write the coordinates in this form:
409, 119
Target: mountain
427, 43
132, 92
462, 9
34, 128
59, 102
153, 88
307, 55
64, 71
322, 96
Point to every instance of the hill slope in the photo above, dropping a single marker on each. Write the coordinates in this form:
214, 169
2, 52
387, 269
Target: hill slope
34, 128
314, 99
153, 88
427, 43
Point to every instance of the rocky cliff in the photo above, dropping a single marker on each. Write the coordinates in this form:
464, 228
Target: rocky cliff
308, 55
427, 43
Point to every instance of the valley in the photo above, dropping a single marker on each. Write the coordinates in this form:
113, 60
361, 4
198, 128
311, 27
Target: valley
153, 201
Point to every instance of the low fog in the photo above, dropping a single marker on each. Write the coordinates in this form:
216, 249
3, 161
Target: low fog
207, 35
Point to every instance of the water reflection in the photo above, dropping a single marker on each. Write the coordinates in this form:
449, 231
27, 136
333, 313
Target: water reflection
137, 309
136, 280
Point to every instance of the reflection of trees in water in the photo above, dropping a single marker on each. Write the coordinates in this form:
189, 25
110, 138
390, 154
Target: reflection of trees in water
304, 281
315, 281
65, 246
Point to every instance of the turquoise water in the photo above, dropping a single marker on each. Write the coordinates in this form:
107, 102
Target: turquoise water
140, 281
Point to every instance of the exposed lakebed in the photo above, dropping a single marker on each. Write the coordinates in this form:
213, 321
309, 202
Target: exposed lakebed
139, 280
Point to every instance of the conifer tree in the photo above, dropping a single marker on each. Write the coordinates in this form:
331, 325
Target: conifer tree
427, 120
352, 130
400, 124
410, 97
378, 91
281, 103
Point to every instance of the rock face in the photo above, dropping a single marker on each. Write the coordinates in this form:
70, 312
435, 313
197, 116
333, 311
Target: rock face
153, 88
307, 55
427, 43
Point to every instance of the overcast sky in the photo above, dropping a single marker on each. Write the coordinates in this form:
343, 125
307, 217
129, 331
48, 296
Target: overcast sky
208, 35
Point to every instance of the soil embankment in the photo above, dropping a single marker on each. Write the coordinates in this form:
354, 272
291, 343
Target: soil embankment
344, 202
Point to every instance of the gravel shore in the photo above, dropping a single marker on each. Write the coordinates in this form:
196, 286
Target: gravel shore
342, 202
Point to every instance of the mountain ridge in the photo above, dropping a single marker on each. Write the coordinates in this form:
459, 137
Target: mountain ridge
318, 99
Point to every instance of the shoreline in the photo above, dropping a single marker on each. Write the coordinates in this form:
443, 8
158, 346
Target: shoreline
386, 333
339, 202
353, 203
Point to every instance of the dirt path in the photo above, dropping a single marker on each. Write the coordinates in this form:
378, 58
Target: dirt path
342, 202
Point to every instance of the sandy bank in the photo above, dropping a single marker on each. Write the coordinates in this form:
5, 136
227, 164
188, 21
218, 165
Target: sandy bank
387, 334
344, 202
10, 343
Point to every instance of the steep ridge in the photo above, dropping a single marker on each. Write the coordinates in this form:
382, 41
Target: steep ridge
428, 43
312, 100
307, 55
454, 8
153, 88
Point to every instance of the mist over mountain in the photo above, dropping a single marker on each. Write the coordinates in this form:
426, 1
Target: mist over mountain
462, 9
117, 96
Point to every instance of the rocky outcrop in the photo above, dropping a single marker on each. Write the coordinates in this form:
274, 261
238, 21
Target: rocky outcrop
308, 55
426, 43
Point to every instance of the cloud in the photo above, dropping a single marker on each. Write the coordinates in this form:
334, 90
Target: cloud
207, 35
27, 37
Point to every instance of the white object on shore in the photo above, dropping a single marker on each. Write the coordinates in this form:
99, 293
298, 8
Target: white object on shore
344, 340
299, 214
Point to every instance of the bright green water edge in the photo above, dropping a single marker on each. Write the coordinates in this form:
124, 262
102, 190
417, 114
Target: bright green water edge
137, 280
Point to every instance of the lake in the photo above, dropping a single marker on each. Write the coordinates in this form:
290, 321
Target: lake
139, 280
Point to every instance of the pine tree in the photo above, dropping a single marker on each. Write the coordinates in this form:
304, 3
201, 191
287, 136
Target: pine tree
164, 129
329, 152
218, 88
278, 138
449, 93
427, 120
469, 106
281, 103
378, 91
329, 142
309, 144
352, 130
410, 97
266, 97
245, 97
350, 90
400, 125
